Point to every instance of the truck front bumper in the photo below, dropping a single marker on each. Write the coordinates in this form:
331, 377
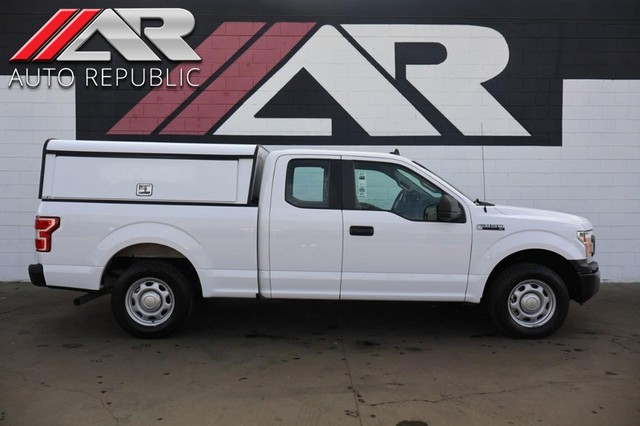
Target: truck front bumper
588, 280
36, 275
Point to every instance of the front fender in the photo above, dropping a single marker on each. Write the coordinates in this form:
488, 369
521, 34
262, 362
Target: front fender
485, 259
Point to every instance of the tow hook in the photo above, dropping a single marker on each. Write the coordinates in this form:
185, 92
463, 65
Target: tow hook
90, 296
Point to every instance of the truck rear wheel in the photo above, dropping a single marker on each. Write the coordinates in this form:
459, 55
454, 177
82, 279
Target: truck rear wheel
528, 301
151, 299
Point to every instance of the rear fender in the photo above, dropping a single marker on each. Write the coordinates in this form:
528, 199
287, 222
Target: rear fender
154, 233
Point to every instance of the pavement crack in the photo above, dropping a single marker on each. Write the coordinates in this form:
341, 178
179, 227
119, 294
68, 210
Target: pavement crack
12, 310
615, 341
50, 386
447, 398
352, 388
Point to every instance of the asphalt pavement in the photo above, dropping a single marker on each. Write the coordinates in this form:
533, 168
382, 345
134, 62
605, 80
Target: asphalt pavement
261, 362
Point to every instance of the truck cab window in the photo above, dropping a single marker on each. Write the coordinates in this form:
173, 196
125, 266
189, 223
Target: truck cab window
396, 189
307, 184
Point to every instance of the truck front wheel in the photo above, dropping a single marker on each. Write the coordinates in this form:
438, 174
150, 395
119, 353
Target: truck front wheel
528, 300
151, 299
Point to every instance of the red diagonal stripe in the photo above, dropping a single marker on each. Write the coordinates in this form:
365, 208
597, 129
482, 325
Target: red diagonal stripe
160, 102
43, 35
66, 35
237, 80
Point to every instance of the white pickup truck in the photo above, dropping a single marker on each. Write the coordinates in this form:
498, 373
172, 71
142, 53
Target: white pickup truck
158, 225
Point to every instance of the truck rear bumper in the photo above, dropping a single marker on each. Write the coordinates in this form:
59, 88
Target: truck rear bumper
588, 280
71, 277
36, 275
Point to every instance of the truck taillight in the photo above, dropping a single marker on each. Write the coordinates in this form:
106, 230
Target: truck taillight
44, 228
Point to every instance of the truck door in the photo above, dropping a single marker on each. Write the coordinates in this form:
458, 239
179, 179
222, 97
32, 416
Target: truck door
394, 247
305, 229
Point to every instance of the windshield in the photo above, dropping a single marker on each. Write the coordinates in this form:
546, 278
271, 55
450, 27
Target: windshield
440, 177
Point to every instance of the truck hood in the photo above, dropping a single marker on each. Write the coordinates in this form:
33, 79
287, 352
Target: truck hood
546, 215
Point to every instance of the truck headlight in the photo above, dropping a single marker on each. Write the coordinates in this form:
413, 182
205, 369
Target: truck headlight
589, 241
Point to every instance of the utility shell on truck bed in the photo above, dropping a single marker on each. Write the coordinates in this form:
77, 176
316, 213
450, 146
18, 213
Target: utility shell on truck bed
180, 173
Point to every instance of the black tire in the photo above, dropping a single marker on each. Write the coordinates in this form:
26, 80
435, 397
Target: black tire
152, 299
528, 301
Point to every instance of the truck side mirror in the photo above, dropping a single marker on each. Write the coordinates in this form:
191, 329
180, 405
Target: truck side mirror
449, 210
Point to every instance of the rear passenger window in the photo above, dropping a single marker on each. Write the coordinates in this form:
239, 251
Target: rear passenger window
307, 183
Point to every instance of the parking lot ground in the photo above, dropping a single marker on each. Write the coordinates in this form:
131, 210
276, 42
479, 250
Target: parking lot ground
246, 362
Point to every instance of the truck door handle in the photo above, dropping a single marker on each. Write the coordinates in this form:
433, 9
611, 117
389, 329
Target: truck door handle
365, 231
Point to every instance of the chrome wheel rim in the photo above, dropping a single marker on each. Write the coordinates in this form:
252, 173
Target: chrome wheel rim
149, 302
531, 303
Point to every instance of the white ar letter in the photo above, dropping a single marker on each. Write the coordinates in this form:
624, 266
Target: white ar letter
474, 55
349, 78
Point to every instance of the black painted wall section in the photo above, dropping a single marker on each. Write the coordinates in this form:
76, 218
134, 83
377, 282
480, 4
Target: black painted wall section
549, 41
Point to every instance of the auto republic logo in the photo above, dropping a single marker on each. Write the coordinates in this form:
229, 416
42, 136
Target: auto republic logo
355, 64
62, 37
246, 64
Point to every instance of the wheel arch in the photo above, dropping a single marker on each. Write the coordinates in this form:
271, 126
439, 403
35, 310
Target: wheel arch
128, 255
550, 259
152, 240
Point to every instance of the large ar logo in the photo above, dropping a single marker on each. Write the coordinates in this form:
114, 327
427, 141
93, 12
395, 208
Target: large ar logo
69, 29
355, 64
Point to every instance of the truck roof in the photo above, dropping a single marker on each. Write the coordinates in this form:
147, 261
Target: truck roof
128, 147
370, 154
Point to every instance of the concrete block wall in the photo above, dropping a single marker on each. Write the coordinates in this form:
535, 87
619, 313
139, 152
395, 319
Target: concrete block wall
28, 117
595, 173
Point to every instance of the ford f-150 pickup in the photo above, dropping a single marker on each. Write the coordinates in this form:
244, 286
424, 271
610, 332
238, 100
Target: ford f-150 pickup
158, 225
